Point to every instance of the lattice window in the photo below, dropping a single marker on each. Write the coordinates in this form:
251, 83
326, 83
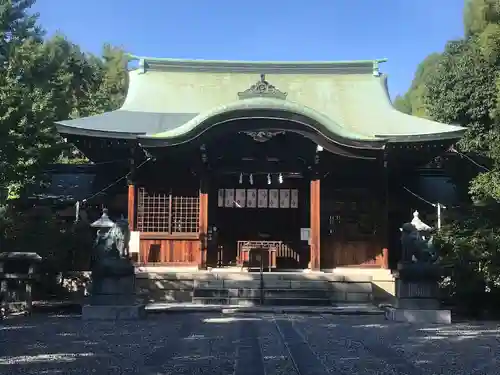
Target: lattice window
185, 214
162, 212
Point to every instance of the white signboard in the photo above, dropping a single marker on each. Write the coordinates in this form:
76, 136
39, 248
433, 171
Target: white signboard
262, 198
240, 198
220, 198
134, 242
229, 198
252, 198
284, 198
274, 198
305, 234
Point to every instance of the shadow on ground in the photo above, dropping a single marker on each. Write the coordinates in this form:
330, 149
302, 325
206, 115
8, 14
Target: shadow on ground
215, 343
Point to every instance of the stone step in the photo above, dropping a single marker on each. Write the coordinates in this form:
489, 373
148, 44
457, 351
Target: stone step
267, 301
351, 276
182, 287
336, 309
268, 293
353, 287
188, 295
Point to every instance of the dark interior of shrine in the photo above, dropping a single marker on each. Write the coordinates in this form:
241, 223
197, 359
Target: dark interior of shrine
270, 161
239, 222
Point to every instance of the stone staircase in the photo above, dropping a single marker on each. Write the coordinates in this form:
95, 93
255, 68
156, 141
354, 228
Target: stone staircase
247, 289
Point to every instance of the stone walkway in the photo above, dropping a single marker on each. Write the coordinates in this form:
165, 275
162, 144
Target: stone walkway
246, 344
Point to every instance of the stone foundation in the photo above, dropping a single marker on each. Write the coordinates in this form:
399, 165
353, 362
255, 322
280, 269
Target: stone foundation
436, 316
244, 288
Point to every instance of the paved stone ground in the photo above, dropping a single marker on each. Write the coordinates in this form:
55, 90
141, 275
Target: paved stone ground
244, 344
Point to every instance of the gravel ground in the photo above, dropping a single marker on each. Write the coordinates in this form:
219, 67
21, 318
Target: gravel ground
244, 344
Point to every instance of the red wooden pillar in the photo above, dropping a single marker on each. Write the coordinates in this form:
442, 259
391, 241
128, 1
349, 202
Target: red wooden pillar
385, 258
131, 207
315, 225
131, 186
203, 229
385, 223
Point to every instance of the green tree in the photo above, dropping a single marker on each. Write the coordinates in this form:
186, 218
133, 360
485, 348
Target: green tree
115, 82
402, 104
479, 14
42, 82
21, 47
413, 102
464, 89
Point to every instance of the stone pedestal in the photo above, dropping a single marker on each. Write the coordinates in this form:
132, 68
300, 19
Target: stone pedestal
417, 295
113, 298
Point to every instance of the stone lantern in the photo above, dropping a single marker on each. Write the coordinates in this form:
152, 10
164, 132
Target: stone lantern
104, 222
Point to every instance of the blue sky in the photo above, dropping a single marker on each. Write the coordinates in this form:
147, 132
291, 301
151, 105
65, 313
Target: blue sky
403, 31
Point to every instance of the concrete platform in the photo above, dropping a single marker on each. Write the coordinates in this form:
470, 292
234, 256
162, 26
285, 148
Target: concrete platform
418, 316
113, 312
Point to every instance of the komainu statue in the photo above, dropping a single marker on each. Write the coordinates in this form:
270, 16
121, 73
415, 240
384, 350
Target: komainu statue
110, 257
416, 242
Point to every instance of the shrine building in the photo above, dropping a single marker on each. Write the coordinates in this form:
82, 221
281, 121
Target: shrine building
305, 159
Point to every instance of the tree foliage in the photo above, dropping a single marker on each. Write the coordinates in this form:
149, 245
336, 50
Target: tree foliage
413, 102
462, 86
479, 14
469, 245
42, 81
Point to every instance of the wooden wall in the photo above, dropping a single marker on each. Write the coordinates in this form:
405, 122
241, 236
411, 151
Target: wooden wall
343, 253
158, 249
353, 221
164, 248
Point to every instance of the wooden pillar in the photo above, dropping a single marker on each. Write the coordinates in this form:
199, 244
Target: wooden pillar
315, 225
203, 223
131, 205
384, 233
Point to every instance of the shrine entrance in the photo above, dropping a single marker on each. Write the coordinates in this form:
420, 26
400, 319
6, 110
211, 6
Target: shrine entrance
259, 199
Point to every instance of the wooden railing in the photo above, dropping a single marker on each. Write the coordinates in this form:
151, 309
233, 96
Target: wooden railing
282, 249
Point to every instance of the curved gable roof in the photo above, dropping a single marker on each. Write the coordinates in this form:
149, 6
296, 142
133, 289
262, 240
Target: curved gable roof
360, 110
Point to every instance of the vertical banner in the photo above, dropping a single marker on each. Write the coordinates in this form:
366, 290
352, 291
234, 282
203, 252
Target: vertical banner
284, 198
220, 198
251, 198
294, 198
262, 198
229, 198
274, 198
240, 198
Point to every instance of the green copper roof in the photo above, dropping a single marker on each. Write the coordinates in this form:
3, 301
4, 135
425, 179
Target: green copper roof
179, 99
255, 105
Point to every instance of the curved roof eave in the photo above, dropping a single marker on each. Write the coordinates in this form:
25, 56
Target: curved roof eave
451, 136
122, 123
264, 108
440, 131
72, 130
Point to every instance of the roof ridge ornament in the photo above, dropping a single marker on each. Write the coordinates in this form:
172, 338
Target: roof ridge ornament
376, 68
262, 88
